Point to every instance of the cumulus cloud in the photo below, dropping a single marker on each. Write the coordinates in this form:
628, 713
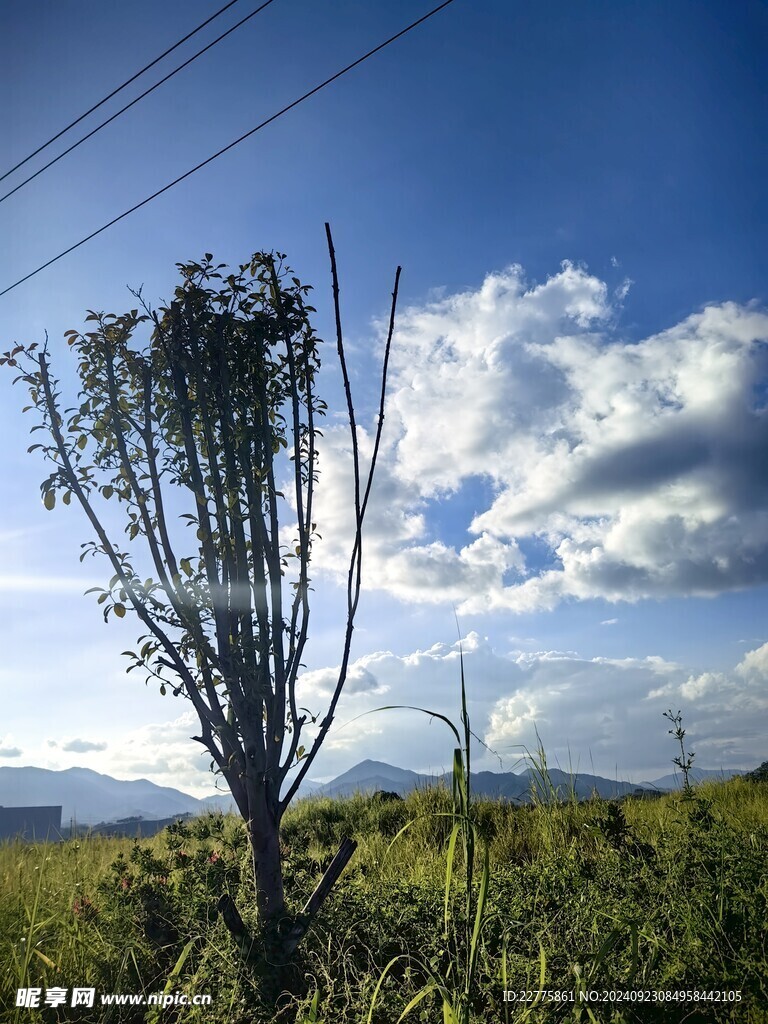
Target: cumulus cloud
724, 706
165, 753
754, 665
82, 746
602, 715
161, 751
428, 679
636, 467
8, 746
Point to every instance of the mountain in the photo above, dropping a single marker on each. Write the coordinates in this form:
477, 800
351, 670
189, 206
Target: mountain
578, 784
369, 776
675, 781
214, 804
88, 797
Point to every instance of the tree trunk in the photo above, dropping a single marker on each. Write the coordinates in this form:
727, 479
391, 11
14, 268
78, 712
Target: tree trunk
263, 830
279, 934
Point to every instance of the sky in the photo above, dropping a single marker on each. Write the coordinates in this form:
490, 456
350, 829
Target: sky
571, 489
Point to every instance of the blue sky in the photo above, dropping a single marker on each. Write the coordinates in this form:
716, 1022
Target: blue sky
576, 432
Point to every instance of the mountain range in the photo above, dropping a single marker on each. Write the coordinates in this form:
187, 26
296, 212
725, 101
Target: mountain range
88, 797
369, 776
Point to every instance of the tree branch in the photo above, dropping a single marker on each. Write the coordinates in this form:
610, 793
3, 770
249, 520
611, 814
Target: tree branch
355, 565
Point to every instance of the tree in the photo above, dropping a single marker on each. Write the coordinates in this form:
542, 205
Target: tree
759, 774
215, 409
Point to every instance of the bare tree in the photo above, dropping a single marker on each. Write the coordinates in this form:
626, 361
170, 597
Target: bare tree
209, 415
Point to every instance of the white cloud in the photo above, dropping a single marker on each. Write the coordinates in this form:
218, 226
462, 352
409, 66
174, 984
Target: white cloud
9, 746
78, 746
636, 466
599, 714
165, 753
161, 751
698, 686
726, 711
397, 555
754, 666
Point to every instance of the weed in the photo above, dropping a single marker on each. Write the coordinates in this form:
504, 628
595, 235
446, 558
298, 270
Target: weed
685, 761
666, 895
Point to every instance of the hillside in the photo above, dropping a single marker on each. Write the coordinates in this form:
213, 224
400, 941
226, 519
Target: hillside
88, 797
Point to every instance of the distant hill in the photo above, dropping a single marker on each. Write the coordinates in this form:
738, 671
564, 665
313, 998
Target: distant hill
759, 774
675, 781
223, 803
369, 776
89, 797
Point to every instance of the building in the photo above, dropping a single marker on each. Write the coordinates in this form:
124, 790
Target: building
30, 823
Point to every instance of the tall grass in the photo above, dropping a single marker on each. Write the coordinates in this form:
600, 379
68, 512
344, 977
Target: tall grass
666, 894
451, 975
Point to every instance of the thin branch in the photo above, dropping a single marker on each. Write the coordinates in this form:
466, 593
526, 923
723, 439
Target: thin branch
350, 408
355, 565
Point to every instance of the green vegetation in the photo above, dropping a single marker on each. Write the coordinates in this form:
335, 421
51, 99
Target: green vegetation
208, 403
667, 895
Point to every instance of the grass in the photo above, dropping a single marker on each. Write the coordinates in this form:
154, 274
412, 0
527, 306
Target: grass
664, 895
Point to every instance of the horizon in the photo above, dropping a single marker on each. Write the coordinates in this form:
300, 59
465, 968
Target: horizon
436, 773
570, 494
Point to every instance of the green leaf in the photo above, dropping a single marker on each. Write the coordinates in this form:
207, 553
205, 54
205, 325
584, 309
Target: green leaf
49, 500
120, 611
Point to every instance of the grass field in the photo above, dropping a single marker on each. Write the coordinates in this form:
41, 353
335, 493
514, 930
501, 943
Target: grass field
667, 896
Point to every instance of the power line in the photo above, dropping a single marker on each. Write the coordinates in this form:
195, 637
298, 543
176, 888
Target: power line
134, 102
231, 145
118, 89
